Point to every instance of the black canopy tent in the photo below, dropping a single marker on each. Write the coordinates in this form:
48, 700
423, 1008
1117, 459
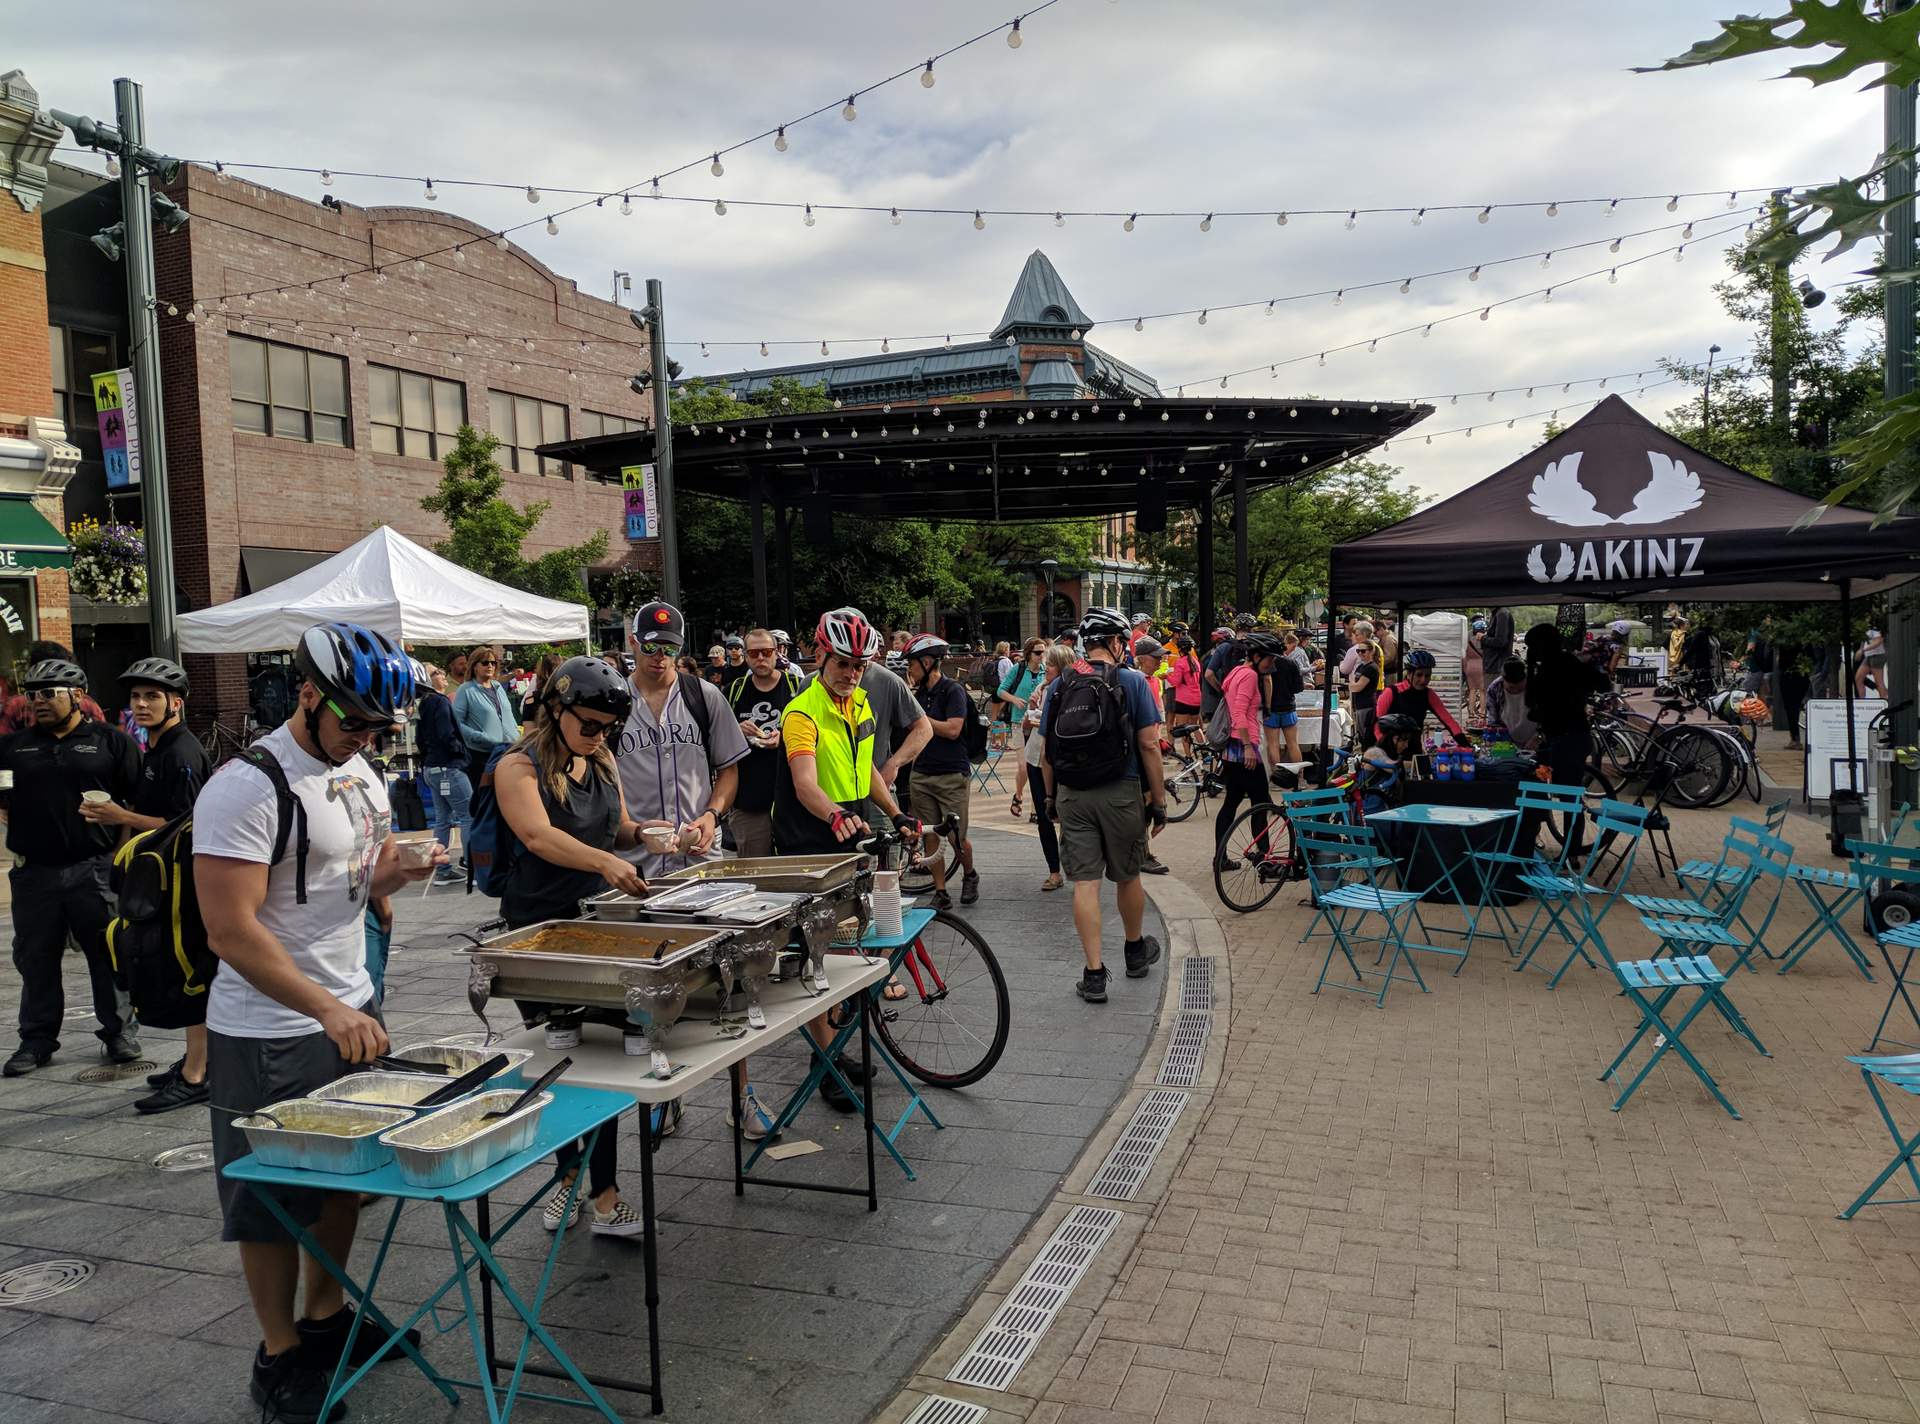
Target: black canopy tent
1614, 509
1004, 461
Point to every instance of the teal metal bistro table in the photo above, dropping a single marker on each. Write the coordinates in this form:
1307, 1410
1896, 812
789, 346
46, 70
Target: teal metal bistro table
574, 1113
1424, 820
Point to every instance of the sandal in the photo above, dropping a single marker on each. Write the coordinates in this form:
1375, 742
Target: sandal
1055, 881
894, 992
1017, 807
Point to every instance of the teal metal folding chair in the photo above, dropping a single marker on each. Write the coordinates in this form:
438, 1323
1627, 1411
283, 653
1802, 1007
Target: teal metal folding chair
1337, 850
1905, 942
986, 772
1652, 985
1901, 1073
1708, 871
1885, 867
1540, 799
1831, 894
1722, 897
1568, 900
1682, 935
1333, 804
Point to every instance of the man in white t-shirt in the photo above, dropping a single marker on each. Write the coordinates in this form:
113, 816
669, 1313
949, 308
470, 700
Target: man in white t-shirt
289, 844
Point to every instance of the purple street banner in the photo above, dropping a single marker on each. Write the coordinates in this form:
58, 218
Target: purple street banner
119, 414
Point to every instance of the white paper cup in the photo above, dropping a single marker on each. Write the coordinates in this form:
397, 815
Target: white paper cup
661, 840
416, 847
98, 798
6, 781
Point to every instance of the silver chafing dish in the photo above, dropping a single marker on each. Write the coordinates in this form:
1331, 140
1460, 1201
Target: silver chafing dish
762, 922
838, 887
645, 971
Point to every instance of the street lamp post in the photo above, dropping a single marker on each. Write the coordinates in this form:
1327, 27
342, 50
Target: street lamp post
1706, 396
1049, 567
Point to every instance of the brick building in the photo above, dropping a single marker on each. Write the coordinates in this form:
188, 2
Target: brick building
308, 399
1038, 350
36, 458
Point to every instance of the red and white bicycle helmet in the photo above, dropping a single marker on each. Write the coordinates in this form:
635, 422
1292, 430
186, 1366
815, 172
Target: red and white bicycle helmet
846, 631
927, 645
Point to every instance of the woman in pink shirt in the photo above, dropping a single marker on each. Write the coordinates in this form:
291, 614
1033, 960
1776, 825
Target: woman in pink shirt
1240, 768
1183, 682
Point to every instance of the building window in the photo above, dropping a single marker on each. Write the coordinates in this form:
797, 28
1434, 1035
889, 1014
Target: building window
594, 422
522, 423
79, 356
287, 391
414, 415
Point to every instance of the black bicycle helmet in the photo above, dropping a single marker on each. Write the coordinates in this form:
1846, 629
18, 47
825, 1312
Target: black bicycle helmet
54, 672
592, 683
1262, 644
1102, 623
1243, 622
1395, 724
1419, 660
157, 672
360, 669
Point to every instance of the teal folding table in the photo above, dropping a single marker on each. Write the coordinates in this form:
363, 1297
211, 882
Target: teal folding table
1425, 819
574, 1113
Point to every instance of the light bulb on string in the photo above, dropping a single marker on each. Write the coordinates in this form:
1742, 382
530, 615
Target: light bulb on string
459, 252
553, 228
1613, 276
1680, 253
893, 217
1733, 199
1546, 259
1417, 217
926, 76
1340, 297
763, 349
1373, 345
706, 353
823, 348
780, 139
1686, 233
720, 207
1206, 223
326, 179
1553, 210
1014, 40
1474, 275
1269, 309
979, 223
431, 196
1427, 330
716, 168
1614, 246
113, 166
1486, 214
379, 276
1323, 358
1491, 395
849, 113
1059, 220
808, 218
1203, 316
1353, 215
1406, 285
172, 310
343, 286
420, 264
1139, 325
500, 241
1280, 220
626, 205
1127, 226
1485, 312
1673, 203
533, 194
1223, 386
885, 344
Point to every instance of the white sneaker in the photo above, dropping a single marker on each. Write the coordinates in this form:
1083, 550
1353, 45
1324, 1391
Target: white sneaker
623, 1220
554, 1215
756, 1121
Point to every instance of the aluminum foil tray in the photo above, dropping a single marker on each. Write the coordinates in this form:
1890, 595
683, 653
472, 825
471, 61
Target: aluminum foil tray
351, 1144
698, 896
802, 874
425, 1159
385, 1089
460, 1059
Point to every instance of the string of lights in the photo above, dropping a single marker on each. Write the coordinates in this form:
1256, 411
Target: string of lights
1429, 436
884, 344
1612, 273
1011, 29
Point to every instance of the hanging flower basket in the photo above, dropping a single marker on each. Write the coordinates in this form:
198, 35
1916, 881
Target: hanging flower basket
109, 561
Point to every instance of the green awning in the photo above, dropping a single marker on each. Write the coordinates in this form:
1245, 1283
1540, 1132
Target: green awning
28, 539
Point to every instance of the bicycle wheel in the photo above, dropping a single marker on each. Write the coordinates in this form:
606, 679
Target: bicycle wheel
1738, 764
1623, 747
952, 1027
918, 880
1186, 786
1701, 764
1251, 864
1598, 786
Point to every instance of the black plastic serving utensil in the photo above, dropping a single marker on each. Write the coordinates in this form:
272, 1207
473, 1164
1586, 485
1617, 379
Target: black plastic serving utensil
464, 1084
411, 1065
540, 1084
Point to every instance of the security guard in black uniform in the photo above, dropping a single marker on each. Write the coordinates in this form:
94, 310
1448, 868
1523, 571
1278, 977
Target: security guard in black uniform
61, 886
172, 772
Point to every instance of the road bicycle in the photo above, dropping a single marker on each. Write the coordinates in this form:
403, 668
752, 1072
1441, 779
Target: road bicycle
1191, 780
1252, 861
951, 1028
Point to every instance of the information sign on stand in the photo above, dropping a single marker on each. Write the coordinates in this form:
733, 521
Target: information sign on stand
642, 502
1826, 742
119, 415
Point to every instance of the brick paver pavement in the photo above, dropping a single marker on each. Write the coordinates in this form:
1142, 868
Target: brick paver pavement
1428, 1213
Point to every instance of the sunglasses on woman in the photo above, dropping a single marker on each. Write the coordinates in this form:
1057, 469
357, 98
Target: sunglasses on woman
593, 728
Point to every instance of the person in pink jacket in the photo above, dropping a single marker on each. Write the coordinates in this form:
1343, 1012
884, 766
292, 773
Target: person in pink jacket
1183, 686
1240, 768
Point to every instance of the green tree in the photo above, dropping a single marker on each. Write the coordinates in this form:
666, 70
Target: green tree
487, 534
1291, 530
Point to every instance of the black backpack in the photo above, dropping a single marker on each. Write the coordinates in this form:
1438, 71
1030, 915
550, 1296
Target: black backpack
1089, 734
157, 940
974, 733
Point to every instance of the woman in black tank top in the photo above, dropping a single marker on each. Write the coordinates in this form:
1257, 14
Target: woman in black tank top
559, 793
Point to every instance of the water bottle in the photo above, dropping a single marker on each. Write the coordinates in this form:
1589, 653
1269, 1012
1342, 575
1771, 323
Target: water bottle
1443, 765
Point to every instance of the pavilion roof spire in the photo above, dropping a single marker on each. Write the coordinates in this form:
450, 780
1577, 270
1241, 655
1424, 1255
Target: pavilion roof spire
1041, 299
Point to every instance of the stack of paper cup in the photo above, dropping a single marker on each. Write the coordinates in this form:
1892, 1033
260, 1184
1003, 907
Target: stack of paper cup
886, 901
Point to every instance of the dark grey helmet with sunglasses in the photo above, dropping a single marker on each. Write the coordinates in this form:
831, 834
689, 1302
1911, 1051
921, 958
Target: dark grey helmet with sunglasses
590, 685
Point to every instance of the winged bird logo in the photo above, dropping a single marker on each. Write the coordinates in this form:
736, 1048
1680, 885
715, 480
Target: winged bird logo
1537, 566
1557, 494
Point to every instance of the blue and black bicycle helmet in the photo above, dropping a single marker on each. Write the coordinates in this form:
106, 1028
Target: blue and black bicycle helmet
1419, 660
362, 672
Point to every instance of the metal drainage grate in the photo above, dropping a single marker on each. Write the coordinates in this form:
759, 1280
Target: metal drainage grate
43, 1280
1186, 1049
114, 1072
1140, 1142
190, 1158
1196, 983
938, 1409
1009, 1338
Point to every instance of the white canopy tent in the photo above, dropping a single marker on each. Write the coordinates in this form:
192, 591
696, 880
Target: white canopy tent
390, 583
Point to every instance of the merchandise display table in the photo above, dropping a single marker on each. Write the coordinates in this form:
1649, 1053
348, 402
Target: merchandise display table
575, 1112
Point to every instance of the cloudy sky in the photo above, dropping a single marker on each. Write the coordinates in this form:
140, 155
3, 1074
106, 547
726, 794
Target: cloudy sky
1108, 105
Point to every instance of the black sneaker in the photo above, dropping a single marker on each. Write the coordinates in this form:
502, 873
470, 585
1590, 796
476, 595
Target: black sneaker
123, 1047
1225, 864
1138, 962
290, 1388
970, 887
1153, 865
323, 1341
1092, 986
24, 1061
942, 900
853, 1071
176, 1092
172, 1070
